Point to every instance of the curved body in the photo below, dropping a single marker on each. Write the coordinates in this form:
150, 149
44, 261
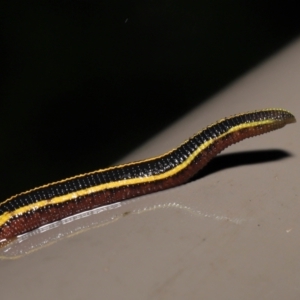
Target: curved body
34, 208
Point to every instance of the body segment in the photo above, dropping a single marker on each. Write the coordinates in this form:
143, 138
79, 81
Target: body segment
34, 208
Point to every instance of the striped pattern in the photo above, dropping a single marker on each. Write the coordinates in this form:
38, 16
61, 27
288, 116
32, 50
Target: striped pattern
55, 201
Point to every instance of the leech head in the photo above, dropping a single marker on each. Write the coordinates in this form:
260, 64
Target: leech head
272, 119
275, 114
289, 118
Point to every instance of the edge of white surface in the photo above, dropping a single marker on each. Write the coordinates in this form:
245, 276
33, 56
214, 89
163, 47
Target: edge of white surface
234, 234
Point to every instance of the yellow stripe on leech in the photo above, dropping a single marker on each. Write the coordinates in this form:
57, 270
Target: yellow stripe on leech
133, 163
115, 184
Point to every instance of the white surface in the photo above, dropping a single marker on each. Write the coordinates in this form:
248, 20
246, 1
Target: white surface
234, 234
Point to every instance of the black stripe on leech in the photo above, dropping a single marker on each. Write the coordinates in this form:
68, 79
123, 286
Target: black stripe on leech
141, 169
144, 169
263, 115
243, 119
252, 117
236, 121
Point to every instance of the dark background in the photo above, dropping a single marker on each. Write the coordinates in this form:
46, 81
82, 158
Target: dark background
82, 83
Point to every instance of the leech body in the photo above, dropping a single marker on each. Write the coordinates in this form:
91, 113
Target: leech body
34, 208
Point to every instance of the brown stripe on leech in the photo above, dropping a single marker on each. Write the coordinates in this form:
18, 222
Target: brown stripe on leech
49, 213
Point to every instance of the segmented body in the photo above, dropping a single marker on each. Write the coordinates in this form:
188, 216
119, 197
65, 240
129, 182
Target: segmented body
34, 208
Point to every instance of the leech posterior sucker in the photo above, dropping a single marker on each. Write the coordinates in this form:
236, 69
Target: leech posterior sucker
55, 201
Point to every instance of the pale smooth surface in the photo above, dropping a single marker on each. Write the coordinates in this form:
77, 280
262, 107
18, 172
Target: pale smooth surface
233, 234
